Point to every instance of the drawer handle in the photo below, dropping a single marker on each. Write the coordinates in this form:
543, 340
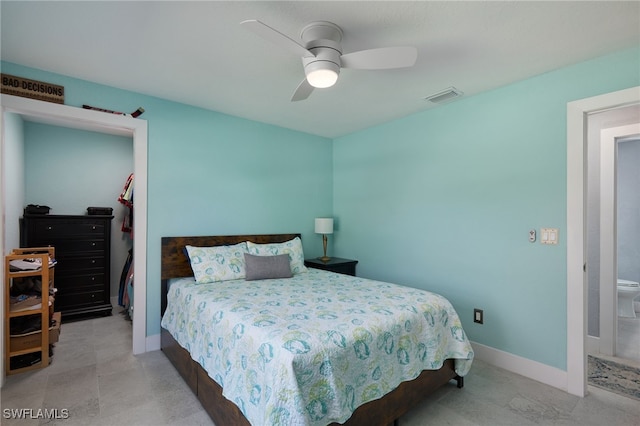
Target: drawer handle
93, 261
93, 295
49, 228
93, 227
93, 278
93, 244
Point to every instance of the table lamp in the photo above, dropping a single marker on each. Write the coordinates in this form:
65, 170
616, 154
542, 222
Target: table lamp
324, 226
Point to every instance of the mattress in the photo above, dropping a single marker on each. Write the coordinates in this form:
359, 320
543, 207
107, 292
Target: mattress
309, 350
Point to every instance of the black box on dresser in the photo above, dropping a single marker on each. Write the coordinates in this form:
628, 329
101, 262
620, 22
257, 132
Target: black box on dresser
83, 253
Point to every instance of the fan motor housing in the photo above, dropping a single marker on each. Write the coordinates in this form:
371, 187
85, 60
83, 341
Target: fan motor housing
323, 55
321, 30
323, 39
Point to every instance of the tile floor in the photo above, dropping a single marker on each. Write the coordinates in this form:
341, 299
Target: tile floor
96, 378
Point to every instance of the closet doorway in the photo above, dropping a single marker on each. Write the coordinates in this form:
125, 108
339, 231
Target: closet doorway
71, 170
15, 110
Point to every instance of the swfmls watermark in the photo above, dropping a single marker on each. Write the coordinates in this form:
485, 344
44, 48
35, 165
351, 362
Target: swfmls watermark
37, 413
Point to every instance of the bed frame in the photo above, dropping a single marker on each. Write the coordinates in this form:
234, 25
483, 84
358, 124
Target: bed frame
384, 411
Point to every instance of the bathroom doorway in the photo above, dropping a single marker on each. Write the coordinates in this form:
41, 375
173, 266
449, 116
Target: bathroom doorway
580, 292
619, 245
608, 224
628, 205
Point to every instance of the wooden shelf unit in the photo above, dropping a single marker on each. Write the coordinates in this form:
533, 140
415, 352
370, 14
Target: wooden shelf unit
46, 275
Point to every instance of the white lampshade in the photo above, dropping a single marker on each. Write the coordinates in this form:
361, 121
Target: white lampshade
324, 225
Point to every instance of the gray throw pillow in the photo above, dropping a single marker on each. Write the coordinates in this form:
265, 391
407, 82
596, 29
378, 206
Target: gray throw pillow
265, 267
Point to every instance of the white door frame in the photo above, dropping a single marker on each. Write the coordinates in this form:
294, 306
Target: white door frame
79, 118
609, 236
577, 116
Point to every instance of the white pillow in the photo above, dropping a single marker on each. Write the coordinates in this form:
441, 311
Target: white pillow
219, 263
292, 247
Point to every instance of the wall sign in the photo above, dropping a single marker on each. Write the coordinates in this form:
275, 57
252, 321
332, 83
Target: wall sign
18, 86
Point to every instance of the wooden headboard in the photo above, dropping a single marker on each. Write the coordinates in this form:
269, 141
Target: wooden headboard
175, 264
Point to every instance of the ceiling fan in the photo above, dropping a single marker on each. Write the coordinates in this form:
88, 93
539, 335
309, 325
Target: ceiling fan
322, 56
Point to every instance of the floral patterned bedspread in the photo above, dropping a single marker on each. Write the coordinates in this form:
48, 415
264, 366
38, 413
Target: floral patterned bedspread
309, 350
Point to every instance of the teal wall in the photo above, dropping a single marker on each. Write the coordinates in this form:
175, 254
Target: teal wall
211, 173
441, 200
70, 170
444, 199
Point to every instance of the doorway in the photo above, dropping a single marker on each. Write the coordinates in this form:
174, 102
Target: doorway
578, 113
78, 118
619, 254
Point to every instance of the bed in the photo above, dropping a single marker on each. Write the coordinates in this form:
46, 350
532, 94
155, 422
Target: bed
353, 389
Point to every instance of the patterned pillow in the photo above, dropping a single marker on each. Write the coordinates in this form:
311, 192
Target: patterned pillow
220, 263
292, 247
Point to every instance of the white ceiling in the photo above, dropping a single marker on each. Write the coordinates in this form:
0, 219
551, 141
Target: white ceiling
199, 54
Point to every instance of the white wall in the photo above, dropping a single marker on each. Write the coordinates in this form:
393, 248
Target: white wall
11, 196
13, 177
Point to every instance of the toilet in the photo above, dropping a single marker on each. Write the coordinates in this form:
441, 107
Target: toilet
627, 291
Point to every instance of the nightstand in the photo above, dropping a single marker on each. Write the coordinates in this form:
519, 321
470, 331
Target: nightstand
335, 264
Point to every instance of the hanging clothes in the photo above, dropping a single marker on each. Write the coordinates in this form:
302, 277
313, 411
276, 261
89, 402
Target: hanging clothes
126, 198
126, 277
128, 267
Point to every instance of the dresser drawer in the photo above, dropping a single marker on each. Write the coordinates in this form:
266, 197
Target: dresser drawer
67, 228
64, 290
80, 299
80, 265
66, 282
70, 263
68, 247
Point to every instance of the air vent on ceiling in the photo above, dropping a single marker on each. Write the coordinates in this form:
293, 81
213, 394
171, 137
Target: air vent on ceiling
445, 95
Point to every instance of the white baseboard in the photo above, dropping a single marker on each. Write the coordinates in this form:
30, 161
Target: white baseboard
525, 367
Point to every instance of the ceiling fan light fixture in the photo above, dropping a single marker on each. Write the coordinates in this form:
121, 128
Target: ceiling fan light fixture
322, 58
322, 74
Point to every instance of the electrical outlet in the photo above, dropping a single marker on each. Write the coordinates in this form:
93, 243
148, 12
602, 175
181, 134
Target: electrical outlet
478, 316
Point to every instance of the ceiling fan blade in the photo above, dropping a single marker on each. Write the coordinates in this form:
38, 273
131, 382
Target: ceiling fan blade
302, 92
382, 58
275, 36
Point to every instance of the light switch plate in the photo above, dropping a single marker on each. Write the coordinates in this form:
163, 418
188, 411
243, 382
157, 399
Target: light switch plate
549, 235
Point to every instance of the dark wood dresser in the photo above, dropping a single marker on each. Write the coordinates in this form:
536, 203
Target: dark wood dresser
83, 252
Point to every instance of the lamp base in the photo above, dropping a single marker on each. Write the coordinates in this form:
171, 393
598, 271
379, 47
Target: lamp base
324, 257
